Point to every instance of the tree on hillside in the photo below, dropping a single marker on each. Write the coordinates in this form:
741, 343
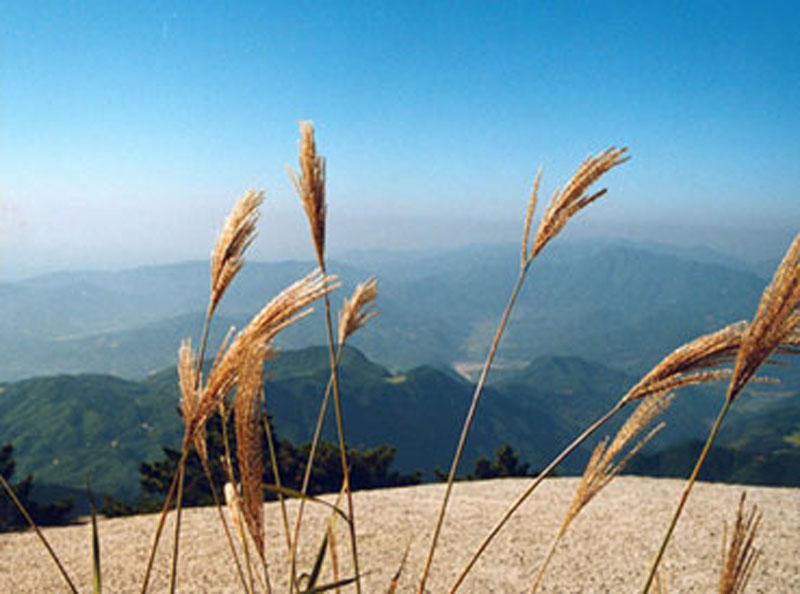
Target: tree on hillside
369, 469
10, 517
505, 463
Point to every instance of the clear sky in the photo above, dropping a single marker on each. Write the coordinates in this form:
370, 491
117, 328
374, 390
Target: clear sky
127, 130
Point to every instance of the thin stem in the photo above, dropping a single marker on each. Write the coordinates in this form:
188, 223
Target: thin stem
539, 478
38, 532
307, 475
277, 476
175, 545
468, 422
337, 405
163, 517
685, 494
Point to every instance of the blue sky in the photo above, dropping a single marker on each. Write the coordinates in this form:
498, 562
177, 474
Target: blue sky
127, 132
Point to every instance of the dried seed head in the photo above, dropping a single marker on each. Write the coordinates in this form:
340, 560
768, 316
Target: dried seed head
237, 234
526, 230
247, 417
678, 369
310, 186
604, 465
573, 198
775, 323
284, 310
358, 310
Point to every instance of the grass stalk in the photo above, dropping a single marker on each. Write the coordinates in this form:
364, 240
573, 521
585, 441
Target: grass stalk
273, 458
468, 422
307, 478
162, 518
685, 494
39, 533
176, 541
337, 406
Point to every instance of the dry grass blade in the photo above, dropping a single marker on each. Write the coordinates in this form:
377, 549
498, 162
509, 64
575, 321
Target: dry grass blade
775, 321
704, 352
740, 557
358, 310
237, 234
310, 186
396, 577
573, 198
247, 419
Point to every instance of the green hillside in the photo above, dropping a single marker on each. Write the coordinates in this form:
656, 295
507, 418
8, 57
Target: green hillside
66, 429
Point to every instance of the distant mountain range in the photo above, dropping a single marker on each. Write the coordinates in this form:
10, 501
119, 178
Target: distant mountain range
625, 305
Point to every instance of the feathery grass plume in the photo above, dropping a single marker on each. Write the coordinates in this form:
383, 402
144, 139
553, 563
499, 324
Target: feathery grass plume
704, 352
358, 310
310, 186
573, 198
604, 465
282, 311
247, 420
526, 229
739, 559
562, 206
773, 330
189, 381
236, 235
776, 320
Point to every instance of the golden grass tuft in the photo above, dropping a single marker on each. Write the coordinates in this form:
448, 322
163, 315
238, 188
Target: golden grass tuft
358, 310
604, 465
740, 556
677, 369
282, 311
566, 203
310, 186
776, 320
247, 419
236, 236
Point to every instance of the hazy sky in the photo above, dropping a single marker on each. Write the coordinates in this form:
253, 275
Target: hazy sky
127, 130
